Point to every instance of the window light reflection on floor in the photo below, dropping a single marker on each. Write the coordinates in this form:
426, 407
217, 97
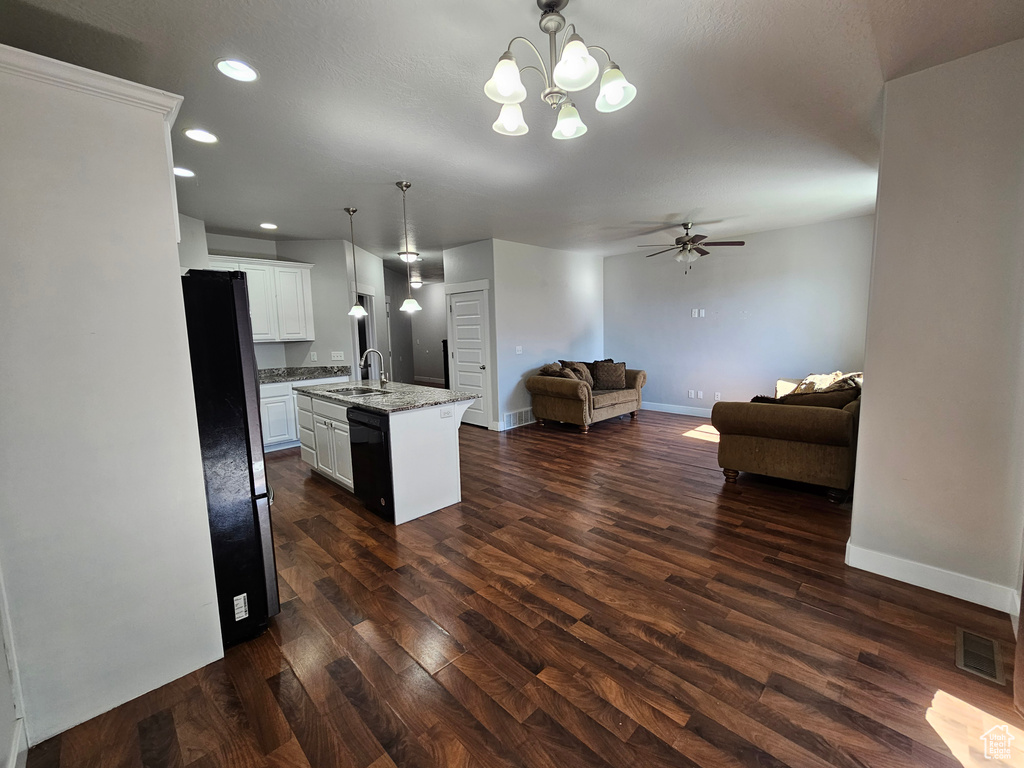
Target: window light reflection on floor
704, 432
976, 738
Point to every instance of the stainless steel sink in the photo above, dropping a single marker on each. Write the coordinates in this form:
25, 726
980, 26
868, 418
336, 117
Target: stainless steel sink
358, 391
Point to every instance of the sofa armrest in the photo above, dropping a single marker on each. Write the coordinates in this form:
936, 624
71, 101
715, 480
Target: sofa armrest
553, 386
635, 379
799, 423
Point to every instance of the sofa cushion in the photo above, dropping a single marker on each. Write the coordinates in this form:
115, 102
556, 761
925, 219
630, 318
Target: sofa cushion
605, 397
837, 398
567, 373
608, 375
580, 369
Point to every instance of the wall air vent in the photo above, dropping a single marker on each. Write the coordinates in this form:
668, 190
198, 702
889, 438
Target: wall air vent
979, 655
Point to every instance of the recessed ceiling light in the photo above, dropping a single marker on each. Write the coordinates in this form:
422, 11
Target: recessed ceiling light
268, 225
237, 70
198, 134
184, 172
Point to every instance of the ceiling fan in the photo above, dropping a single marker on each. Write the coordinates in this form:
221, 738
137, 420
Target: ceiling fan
690, 247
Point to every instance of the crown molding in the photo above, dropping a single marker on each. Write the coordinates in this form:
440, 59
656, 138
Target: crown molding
32, 66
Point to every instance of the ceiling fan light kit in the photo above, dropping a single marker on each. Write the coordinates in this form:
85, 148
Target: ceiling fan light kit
689, 247
570, 68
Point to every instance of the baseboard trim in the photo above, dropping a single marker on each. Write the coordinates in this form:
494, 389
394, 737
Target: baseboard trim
684, 410
18, 755
281, 446
939, 580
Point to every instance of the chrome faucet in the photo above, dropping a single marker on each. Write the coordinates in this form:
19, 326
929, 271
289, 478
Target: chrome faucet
362, 363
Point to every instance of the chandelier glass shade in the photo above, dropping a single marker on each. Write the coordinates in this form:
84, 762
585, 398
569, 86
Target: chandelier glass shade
408, 256
358, 310
570, 68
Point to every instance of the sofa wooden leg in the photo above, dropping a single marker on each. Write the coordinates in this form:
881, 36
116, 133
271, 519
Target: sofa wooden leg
540, 422
584, 428
634, 414
730, 475
836, 495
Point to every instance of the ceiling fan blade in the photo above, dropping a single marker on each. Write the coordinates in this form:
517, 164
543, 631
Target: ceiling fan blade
673, 248
701, 251
654, 245
725, 242
697, 238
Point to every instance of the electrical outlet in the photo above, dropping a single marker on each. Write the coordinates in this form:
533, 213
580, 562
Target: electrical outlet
242, 606
312, 357
691, 394
446, 413
337, 355
700, 394
718, 396
702, 313
519, 350
693, 313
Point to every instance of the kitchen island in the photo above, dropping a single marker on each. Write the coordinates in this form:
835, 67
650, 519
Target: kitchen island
396, 446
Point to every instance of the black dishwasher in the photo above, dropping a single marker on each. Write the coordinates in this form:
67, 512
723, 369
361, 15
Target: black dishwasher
369, 434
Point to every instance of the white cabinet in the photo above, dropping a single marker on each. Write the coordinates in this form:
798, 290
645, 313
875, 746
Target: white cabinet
325, 446
280, 297
281, 420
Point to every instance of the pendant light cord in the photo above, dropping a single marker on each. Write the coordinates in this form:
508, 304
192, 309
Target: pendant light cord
408, 265
352, 234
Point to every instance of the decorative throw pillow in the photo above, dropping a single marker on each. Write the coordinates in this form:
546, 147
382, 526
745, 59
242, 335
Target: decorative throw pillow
551, 369
567, 373
849, 381
581, 371
816, 382
608, 375
764, 399
590, 366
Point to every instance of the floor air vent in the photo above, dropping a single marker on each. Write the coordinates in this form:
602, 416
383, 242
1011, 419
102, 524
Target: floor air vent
518, 418
980, 655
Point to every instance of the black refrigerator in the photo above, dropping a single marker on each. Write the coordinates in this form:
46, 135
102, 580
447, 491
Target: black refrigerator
228, 406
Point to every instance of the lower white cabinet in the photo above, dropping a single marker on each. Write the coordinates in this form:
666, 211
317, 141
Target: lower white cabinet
280, 420
325, 445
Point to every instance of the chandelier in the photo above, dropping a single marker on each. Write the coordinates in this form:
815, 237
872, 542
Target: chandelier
575, 70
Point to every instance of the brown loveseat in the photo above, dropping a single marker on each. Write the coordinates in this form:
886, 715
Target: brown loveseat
574, 401
811, 438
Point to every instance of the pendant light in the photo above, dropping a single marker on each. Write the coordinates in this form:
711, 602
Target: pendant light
358, 310
410, 304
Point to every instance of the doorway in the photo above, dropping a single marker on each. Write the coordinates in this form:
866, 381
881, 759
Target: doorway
469, 334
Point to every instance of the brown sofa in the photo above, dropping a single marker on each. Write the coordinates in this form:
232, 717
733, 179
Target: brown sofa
574, 402
810, 438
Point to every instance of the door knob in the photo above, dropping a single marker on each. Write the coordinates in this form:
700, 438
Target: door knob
483, 367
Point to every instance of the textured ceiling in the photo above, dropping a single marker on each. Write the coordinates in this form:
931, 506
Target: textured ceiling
751, 115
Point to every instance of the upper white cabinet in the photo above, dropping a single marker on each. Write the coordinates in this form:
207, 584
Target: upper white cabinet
280, 297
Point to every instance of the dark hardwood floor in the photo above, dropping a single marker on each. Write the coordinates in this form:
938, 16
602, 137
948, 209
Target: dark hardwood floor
596, 600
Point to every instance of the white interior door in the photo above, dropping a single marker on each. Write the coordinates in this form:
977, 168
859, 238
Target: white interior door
469, 332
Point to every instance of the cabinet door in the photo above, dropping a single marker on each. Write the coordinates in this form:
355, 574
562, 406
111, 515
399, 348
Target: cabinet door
291, 303
262, 301
278, 418
324, 448
342, 452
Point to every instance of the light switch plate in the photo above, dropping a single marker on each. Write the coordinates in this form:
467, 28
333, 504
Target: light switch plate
700, 394
702, 313
693, 313
691, 393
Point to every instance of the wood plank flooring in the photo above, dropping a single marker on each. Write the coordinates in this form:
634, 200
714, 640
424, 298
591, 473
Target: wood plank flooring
596, 600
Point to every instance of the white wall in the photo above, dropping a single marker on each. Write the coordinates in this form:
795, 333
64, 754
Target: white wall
193, 252
789, 303
104, 536
332, 299
549, 303
249, 247
939, 469
429, 327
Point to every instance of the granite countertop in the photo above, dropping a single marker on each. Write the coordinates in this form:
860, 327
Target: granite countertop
395, 397
276, 375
